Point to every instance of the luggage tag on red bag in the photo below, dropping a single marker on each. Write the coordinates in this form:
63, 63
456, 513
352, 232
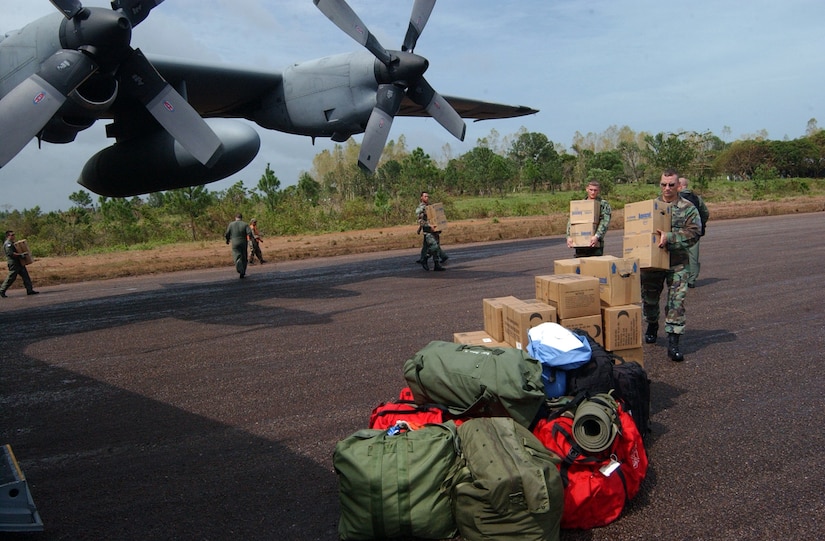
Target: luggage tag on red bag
611, 466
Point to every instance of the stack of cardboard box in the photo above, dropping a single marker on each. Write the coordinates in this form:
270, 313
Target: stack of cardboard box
620, 296
506, 322
584, 218
600, 295
642, 220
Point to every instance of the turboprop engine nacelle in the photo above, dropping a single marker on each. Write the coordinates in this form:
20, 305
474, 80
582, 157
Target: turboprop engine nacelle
156, 162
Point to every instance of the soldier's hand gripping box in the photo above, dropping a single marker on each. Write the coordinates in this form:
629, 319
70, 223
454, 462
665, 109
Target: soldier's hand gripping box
581, 234
645, 248
22, 247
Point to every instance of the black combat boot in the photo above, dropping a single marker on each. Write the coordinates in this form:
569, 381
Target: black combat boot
651, 333
673, 348
438, 266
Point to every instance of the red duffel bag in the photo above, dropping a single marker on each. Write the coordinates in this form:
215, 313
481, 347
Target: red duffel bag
596, 486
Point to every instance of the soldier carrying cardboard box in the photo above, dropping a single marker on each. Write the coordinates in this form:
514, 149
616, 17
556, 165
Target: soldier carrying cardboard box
431, 245
16, 266
587, 235
685, 228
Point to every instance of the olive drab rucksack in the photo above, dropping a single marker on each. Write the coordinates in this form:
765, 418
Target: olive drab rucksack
477, 380
508, 485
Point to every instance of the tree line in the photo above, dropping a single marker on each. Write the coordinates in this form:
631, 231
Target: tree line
336, 195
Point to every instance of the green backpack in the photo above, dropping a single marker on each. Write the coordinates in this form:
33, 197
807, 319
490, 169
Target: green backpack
508, 486
477, 380
392, 486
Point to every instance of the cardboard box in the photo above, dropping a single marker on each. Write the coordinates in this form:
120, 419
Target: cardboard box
584, 211
645, 248
632, 354
622, 327
477, 338
493, 309
646, 217
591, 324
436, 217
567, 266
581, 234
572, 295
22, 247
521, 317
619, 281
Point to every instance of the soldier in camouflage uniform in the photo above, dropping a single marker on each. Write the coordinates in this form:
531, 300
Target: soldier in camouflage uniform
431, 245
685, 228
597, 240
704, 215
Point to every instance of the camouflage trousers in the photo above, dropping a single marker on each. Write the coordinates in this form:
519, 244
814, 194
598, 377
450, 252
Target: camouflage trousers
432, 247
653, 282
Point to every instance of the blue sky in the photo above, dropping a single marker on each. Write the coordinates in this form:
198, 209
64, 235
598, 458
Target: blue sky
745, 65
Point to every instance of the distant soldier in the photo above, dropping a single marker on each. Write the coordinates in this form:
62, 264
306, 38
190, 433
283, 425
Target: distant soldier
596, 246
255, 241
16, 266
431, 245
237, 233
685, 228
704, 214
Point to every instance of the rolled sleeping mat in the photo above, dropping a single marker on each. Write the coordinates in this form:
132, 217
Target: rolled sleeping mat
596, 423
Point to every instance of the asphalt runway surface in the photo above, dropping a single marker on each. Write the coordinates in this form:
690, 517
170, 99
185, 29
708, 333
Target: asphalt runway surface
198, 406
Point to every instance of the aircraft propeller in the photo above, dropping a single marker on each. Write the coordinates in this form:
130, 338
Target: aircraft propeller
97, 40
402, 73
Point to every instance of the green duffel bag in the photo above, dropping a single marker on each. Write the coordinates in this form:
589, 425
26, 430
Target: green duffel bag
477, 380
508, 486
393, 486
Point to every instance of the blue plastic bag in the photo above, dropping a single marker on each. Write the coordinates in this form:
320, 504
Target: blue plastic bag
557, 349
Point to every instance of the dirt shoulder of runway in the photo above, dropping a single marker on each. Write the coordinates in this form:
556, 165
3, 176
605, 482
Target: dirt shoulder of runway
214, 253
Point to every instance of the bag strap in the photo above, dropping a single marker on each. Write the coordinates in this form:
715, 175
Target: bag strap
571, 405
493, 351
376, 490
416, 408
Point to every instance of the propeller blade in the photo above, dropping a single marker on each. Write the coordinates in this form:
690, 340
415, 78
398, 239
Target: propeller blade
388, 101
141, 80
440, 109
339, 12
135, 10
31, 104
69, 8
418, 19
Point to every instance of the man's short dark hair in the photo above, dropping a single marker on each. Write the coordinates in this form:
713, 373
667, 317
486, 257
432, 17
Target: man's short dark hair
670, 172
238, 216
9, 233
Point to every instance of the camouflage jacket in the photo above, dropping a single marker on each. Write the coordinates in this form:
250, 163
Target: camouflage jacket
421, 216
685, 226
699, 203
